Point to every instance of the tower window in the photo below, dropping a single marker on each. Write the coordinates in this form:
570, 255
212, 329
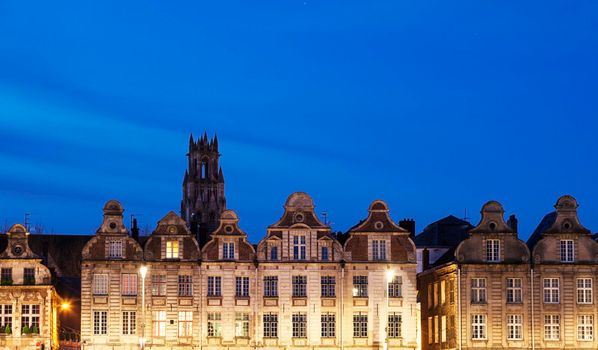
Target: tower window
204, 169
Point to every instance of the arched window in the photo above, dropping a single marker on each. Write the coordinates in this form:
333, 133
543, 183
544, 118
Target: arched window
204, 169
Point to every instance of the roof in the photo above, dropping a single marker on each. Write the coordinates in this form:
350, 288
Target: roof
446, 232
547, 222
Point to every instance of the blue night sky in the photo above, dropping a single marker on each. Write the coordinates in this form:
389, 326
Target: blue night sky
432, 106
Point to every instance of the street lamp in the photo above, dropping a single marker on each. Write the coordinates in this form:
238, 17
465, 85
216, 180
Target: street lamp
143, 272
390, 274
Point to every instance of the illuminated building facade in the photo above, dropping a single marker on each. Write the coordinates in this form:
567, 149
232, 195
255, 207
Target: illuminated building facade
490, 292
299, 288
28, 300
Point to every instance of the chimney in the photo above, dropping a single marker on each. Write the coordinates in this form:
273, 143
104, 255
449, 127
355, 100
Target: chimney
135, 230
425, 259
513, 222
409, 225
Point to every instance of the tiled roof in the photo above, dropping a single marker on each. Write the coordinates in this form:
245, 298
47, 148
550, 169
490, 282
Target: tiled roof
446, 232
544, 225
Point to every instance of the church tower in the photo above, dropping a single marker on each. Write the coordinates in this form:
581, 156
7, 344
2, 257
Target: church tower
203, 188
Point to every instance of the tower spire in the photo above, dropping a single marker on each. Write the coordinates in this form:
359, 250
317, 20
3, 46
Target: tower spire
203, 188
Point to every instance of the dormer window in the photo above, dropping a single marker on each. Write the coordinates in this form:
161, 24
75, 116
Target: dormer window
566, 250
299, 247
115, 249
228, 250
172, 249
492, 250
325, 256
379, 249
274, 253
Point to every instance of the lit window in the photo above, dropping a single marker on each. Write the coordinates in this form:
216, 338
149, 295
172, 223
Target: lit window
271, 286
172, 249
299, 325
100, 322
451, 291
430, 330
30, 317
551, 290
270, 322
214, 324
241, 324
442, 292
514, 291
552, 327
379, 250
185, 285
115, 249
436, 328
360, 325
360, 286
185, 323
299, 286
584, 291
514, 327
585, 327
100, 284
242, 289
493, 250
395, 322
478, 326
478, 290
158, 285
5, 317
395, 287
443, 329
328, 286
567, 250
159, 324
228, 250
214, 286
129, 322
129, 284
328, 326
299, 247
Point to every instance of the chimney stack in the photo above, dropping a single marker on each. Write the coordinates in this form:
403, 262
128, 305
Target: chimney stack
135, 230
409, 225
513, 222
425, 259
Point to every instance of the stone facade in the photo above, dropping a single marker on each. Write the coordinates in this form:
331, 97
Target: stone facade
28, 301
494, 294
298, 289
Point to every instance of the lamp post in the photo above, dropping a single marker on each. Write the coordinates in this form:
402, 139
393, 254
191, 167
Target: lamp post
390, 274
143, 272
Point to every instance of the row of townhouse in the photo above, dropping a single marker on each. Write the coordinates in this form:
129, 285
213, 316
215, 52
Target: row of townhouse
494, 291
298, 288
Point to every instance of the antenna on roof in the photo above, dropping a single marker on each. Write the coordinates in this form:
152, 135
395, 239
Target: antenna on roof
466, 218
325, 215
26, 221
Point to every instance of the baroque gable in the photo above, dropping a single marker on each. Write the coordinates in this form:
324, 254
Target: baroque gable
493, 240
112, 233
379, 238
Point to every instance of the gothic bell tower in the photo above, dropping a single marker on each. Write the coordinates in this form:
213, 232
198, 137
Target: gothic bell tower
203, 188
